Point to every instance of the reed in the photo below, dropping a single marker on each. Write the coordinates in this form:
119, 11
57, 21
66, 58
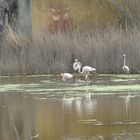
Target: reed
55, 53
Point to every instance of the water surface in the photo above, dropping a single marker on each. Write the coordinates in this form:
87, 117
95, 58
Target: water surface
43, 107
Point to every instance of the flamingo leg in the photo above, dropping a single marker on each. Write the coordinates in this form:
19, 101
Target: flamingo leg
87, 79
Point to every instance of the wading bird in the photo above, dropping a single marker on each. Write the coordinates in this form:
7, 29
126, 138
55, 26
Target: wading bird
76, 65
66, 76
124, 67
86, 70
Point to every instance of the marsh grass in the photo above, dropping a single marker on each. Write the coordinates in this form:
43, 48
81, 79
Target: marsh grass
47, 53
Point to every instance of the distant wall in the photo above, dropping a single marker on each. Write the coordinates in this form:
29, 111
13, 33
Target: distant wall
39, 14
81, 13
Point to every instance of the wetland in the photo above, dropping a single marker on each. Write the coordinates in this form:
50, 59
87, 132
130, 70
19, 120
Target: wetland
44, 107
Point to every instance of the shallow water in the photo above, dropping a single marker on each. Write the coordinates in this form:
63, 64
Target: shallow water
43, 107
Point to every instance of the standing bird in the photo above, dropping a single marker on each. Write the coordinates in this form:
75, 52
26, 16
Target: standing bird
86, 70
76, 65
124, 67
66, 76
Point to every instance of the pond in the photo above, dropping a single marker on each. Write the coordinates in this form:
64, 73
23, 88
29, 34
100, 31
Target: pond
43, 107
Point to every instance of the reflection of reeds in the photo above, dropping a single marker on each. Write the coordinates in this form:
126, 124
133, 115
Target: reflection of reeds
7, 121
12, 120
17, 118
55, 53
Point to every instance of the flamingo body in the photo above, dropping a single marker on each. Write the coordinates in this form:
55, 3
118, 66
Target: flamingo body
76, 65
66, 76
124, 67
88, 69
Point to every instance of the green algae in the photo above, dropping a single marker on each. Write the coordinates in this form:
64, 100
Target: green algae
53, 86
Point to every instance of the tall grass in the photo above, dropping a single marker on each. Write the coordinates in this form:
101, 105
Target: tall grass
129, 10
49, 53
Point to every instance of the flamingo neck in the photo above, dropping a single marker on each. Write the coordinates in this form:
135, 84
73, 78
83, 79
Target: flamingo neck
124, 61
80, 70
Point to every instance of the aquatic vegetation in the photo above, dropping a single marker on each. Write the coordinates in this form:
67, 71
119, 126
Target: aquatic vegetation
118, 88
52, 87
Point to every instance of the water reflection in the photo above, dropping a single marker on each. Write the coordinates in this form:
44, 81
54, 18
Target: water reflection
90, 104
89, 117
41, 108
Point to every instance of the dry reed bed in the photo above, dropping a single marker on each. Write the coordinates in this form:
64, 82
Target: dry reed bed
55, 53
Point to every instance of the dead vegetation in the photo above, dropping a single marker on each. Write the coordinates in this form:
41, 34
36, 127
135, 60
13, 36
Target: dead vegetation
55, 53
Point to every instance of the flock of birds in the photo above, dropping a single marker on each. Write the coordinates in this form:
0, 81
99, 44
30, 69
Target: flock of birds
86, 70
